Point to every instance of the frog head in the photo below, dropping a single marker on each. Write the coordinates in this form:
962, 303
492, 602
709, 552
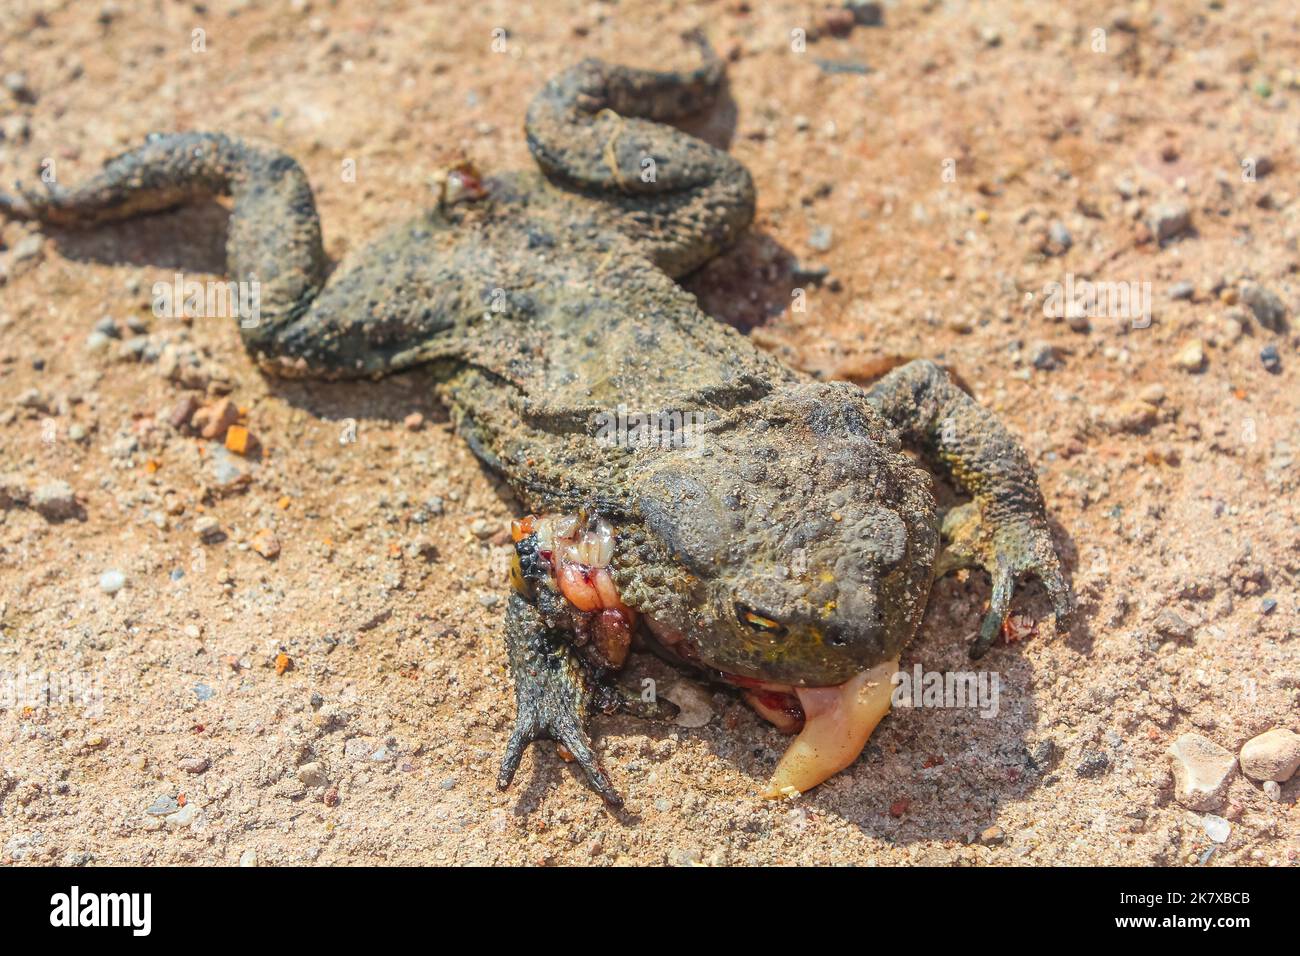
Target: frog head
800, 539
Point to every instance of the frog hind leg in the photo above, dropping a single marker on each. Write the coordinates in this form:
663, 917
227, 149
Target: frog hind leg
600, 130
554, 694
370, 319
274, 234
1004, 527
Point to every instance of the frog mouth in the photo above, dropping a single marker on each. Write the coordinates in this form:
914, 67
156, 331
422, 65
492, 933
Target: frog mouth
832, 724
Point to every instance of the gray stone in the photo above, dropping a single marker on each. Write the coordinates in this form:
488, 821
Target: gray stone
1169, 220
1268, 309
163, 806
313, 775
55, 501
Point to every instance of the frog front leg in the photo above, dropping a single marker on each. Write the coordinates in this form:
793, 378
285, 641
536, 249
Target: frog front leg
567, 634
1004, 528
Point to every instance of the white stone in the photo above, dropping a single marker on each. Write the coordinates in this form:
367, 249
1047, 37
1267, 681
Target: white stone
1202, 771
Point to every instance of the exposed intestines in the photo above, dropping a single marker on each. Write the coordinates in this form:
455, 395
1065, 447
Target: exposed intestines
575, 551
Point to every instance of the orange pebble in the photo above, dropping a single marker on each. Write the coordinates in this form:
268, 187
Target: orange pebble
238, 439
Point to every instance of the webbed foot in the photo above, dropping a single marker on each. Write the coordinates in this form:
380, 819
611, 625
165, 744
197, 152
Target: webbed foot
1004, 528
1007, 551
553, 696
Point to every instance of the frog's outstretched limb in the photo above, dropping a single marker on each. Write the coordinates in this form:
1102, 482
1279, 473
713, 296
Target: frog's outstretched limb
553, 696
1004, 528
599, 129
274, 236
304, 326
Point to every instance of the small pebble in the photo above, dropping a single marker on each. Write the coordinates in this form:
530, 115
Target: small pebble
213, 421
248, 858
1181, 290
313, 775
866, 13
1153, 393
110, 582
1169, 220
1059, 238
695, 705
1273, 755
1272, 361
163, 806
1093, 763
1216, 828
182, 412
1202, 771
17, 85
1130, 416
821, 238
1043, 356
97, 342
28, 249
1191, 357
183, 817
266, 544
55, 501
1268, 309
194, 764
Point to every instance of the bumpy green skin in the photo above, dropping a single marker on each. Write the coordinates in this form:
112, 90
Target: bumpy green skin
550, 303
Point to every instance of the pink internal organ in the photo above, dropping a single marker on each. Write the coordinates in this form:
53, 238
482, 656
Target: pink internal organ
579, 555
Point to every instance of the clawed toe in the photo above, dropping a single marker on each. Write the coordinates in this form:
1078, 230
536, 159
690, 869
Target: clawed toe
572, 739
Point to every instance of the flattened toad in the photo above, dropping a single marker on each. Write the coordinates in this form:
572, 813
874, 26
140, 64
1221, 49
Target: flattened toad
749, 521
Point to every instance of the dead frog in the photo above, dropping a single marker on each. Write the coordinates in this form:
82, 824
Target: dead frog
689, 492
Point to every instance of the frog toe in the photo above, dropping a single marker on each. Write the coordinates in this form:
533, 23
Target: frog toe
566, 731
1008, 552
1012, 555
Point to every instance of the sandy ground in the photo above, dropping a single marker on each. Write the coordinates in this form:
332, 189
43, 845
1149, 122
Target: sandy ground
346, 702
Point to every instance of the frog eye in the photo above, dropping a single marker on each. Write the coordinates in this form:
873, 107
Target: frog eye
757, 621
